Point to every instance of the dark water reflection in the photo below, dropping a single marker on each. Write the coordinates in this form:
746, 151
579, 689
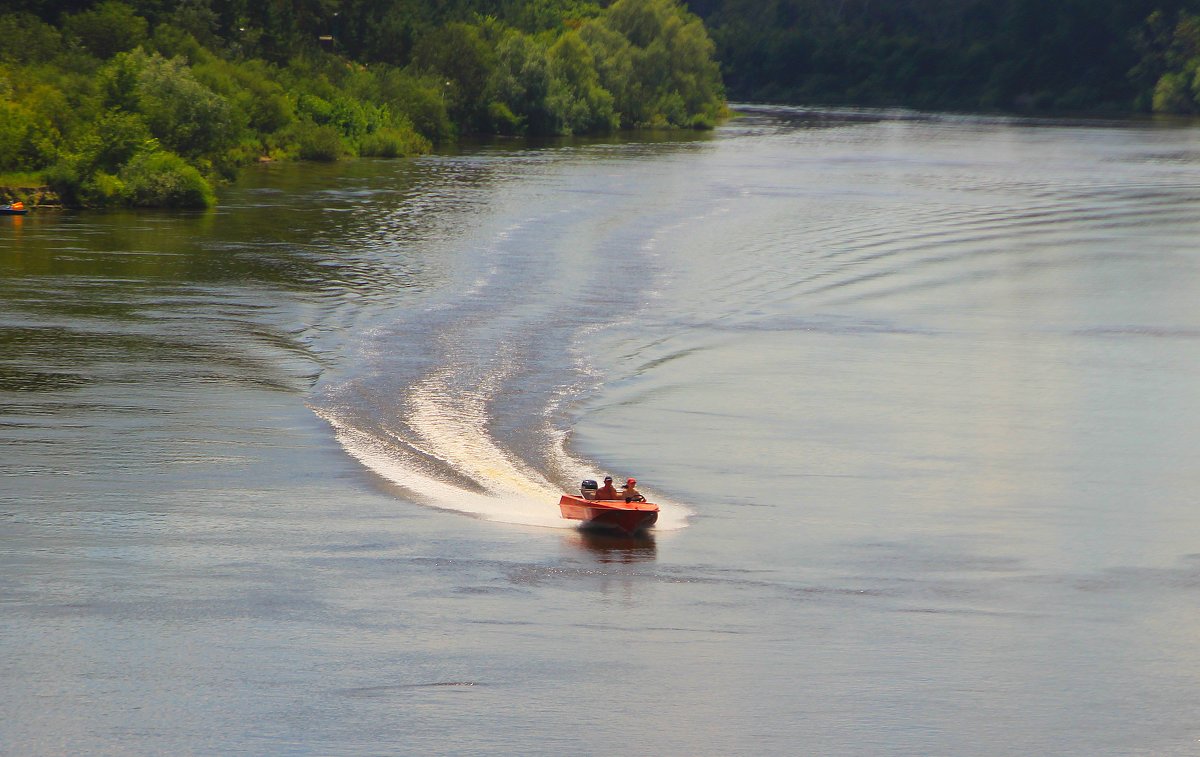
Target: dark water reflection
618, 548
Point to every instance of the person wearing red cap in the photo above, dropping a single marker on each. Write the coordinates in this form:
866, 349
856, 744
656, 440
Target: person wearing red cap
630, 493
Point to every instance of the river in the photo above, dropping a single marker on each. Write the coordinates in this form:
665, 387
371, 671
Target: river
916, 393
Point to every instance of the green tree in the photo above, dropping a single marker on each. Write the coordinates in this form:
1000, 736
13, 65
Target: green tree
119, 136
459, 53
657, 60
420, 99
187, 117
198, 19
16, 129
1176, 58
107, 29
520, 82
31, 113
26, 39
575, 98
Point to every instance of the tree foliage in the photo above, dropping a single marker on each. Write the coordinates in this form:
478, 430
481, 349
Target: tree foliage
1170, 64
108, 28
182, 113
109, 99
163, 179
657, 60
970, 54
575, 98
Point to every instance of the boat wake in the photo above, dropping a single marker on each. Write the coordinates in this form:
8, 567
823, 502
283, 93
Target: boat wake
461, 396
438, 451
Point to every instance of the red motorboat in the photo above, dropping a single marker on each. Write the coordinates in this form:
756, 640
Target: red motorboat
614, 514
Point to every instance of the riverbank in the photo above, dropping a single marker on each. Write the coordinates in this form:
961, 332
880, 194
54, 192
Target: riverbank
30, 189
120, 106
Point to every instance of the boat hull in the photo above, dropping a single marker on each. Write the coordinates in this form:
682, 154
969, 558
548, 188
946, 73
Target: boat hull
13, 212
609, 514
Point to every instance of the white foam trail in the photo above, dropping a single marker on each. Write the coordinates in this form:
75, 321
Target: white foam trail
388, 461
454, 429
514, 493
449, 427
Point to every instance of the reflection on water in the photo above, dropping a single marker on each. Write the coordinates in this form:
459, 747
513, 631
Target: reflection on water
610, 547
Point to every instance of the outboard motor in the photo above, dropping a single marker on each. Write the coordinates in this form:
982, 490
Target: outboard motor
588, 488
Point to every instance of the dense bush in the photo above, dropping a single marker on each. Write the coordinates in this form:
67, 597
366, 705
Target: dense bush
320, 143
389, 142
164, 180
117, 137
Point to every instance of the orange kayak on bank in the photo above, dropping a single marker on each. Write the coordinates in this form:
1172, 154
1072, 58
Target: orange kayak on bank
626, 517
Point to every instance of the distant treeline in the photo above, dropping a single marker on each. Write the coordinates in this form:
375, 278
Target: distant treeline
147, 102
1048, 55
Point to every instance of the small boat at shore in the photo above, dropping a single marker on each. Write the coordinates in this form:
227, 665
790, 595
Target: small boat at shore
624, 516
15, 209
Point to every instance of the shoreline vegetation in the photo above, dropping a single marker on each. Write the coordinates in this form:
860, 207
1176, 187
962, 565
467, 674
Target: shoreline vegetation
1079, 57
157, 103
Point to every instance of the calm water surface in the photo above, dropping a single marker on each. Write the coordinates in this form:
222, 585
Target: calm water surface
918, 396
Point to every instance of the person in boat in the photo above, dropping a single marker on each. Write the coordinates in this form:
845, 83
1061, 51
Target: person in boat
630, 493
18, 205
608, 491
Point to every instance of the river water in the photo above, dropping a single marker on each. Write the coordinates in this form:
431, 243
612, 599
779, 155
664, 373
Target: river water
917, 395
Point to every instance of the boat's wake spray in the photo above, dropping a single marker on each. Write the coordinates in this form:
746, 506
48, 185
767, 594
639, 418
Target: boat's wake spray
445, 458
